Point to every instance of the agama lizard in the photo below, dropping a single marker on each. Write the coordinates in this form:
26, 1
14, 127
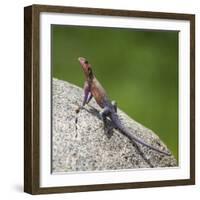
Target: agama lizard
93, 88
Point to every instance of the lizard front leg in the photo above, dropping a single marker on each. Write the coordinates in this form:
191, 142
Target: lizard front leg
86, 93
87, 97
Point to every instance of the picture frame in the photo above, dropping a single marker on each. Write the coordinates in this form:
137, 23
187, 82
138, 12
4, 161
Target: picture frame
33, 93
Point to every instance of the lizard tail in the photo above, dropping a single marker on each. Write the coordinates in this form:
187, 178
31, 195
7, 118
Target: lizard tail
115, 119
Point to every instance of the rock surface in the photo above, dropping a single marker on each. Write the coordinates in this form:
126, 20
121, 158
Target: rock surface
84, 146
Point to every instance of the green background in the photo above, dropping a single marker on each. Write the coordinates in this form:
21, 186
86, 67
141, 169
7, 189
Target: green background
138, 69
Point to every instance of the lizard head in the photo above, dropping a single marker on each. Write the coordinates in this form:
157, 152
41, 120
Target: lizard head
86, 67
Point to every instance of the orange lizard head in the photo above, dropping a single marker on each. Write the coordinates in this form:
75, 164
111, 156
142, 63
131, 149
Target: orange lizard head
86, 67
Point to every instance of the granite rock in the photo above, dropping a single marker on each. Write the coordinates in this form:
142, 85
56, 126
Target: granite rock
84, 146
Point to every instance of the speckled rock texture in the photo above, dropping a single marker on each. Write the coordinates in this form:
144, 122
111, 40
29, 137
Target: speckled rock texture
84, 146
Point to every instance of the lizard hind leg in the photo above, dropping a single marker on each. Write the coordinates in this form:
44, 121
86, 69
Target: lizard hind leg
104, 114
107, 128
114, 104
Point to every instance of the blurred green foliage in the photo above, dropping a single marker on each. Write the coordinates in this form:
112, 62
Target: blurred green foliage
138, 68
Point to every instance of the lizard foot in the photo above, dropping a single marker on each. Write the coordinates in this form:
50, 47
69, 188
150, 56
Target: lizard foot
108, 131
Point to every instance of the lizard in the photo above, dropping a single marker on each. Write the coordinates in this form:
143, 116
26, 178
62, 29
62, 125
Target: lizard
93, 88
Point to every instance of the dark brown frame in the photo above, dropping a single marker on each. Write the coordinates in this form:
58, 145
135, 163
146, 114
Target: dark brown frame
32, 106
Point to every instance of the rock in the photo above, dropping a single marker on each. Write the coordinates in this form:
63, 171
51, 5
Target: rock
84, 146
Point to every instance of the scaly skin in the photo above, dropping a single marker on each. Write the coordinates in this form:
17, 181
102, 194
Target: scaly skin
93, 88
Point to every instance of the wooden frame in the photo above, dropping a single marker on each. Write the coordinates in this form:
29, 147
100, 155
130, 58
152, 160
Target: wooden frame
32, 91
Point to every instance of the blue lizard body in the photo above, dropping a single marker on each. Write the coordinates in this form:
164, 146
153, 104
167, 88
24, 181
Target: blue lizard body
92, 88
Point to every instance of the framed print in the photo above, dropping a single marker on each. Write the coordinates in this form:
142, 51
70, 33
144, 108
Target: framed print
78, 62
